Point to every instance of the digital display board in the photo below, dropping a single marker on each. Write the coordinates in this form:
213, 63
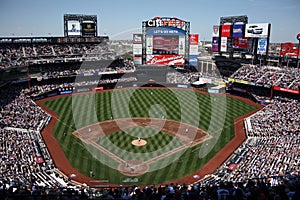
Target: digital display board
80, 25
74, 28
165, 41
88, 29
240, 43
166, 44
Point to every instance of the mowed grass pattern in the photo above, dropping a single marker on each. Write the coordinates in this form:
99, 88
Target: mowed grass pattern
206, 113
120, 144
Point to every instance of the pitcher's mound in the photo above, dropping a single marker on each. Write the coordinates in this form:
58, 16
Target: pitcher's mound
139, 143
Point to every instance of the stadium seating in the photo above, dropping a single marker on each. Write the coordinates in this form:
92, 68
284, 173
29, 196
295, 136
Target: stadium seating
267, 163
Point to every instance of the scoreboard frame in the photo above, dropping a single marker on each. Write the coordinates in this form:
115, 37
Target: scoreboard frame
76, 25
165, 28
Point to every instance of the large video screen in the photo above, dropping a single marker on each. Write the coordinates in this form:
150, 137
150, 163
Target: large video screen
166, 44
88, 29
74, 28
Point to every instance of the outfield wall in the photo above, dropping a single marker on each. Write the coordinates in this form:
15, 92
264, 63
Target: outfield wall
82, 89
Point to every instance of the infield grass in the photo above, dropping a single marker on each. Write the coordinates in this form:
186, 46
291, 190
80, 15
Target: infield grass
213, 114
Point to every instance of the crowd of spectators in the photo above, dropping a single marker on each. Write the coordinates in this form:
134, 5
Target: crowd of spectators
24, 157
36, 90
182, 78
266, 164
119, 65
281, 118
216, 190
267, 76
19, 111
16, 55
271, 150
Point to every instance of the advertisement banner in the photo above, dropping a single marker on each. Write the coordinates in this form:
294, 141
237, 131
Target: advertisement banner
215, 44
215, 32
165, 59
181, 50
193, 60
83, 90
137, 38
194, 38
165, 31
137, 49
165, 22
137, 60
225, 30
260, 30
240, 43
66, 92
149, 44
74, 28
237, 30
194, 50
286, 90
288, 49
88, 29
212, 91
223, 44
262, 46
231, 79
241, 81
205, 80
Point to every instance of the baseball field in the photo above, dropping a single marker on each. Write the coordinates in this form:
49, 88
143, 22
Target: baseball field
142, 135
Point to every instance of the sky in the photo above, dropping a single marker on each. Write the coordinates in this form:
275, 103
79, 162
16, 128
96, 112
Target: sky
119, 19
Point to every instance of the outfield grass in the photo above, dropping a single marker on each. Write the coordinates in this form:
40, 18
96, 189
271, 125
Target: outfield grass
206, 112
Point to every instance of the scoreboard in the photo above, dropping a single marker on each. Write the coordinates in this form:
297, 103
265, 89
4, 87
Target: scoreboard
80, 25
165, 41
